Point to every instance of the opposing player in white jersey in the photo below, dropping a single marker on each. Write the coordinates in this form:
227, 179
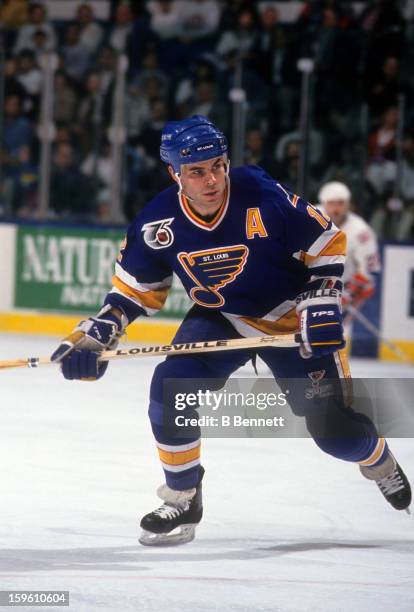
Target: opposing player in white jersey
363, 259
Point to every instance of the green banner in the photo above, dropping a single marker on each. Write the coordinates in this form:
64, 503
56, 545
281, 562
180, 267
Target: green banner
70, 270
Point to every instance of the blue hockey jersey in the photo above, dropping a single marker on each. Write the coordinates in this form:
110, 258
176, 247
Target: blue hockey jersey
250, 261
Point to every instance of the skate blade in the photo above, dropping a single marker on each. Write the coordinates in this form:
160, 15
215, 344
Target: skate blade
408, 511
180, 535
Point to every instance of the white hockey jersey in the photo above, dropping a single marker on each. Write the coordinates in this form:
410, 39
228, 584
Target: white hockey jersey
362, 248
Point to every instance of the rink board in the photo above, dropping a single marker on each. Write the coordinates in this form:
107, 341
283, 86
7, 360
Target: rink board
144, 331
41, 324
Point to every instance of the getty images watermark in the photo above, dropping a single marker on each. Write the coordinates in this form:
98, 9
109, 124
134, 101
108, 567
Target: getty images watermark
262, 408
219, 401
236, 408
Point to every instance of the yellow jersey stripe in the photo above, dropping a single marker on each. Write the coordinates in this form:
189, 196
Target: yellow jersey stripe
151, 299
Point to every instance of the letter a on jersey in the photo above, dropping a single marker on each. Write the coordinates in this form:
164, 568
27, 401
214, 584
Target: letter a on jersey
254, 224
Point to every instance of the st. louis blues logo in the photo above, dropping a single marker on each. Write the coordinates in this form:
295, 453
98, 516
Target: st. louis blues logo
158, 234
211, 270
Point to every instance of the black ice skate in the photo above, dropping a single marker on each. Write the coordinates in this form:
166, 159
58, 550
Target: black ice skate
175, 521
391, 481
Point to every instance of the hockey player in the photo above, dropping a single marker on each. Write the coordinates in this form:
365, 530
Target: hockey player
362, 260
255, 259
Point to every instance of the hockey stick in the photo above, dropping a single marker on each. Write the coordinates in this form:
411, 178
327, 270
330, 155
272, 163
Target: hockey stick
188, 348
354, 313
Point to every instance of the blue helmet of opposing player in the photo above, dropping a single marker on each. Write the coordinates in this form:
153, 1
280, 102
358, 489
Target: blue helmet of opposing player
191, 140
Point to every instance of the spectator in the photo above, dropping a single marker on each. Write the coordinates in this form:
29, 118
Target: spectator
37, 21
142, 38
122, 28
146, 173
288, 168
25, 184
153, 88
316, 145
17, 132
200, 70
199, 18
346, 168
72, 194
382, 25
150, 136
239, 45
137, 110
151, 70
100, 166
100, 169
231, 12
337, 62
90, 32
269, 24
40, 46
28, 73
67, 134
242, 39
165, 18
205, 102
381, 142
287, 171
65, 100
76, 57
64, 135
106, 64
278, 68
94, 113
11, 82
381, 168
384, 90
255, 151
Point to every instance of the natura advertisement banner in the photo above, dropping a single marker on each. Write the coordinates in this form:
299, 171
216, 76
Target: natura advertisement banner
70, 270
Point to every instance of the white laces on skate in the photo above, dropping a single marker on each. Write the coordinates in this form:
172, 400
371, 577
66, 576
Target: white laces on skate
391, 484
167, 511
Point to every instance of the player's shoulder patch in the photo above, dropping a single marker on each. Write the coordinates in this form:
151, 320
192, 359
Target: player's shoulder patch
158, 234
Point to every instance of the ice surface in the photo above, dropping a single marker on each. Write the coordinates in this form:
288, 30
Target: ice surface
286, 527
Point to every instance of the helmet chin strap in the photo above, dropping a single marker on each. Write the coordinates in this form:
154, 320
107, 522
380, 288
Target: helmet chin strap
180, 185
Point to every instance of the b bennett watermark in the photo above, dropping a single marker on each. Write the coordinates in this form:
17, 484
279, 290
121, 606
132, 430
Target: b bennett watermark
287, 408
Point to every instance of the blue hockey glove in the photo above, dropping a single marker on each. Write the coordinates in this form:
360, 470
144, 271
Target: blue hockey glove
320, 317
78, 353
82, 364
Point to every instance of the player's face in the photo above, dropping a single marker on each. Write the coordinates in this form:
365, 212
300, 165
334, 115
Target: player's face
337, 210
205, 182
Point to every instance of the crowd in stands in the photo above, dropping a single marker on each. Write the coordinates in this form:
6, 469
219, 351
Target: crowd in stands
181, 61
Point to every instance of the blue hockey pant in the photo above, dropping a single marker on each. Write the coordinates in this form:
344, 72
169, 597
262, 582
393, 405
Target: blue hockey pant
345, 434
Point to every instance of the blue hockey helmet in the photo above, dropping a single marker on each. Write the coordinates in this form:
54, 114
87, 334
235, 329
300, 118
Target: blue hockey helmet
191, 140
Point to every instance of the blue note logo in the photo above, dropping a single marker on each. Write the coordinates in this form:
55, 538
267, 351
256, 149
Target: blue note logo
158, 234
318, 389
212, 270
